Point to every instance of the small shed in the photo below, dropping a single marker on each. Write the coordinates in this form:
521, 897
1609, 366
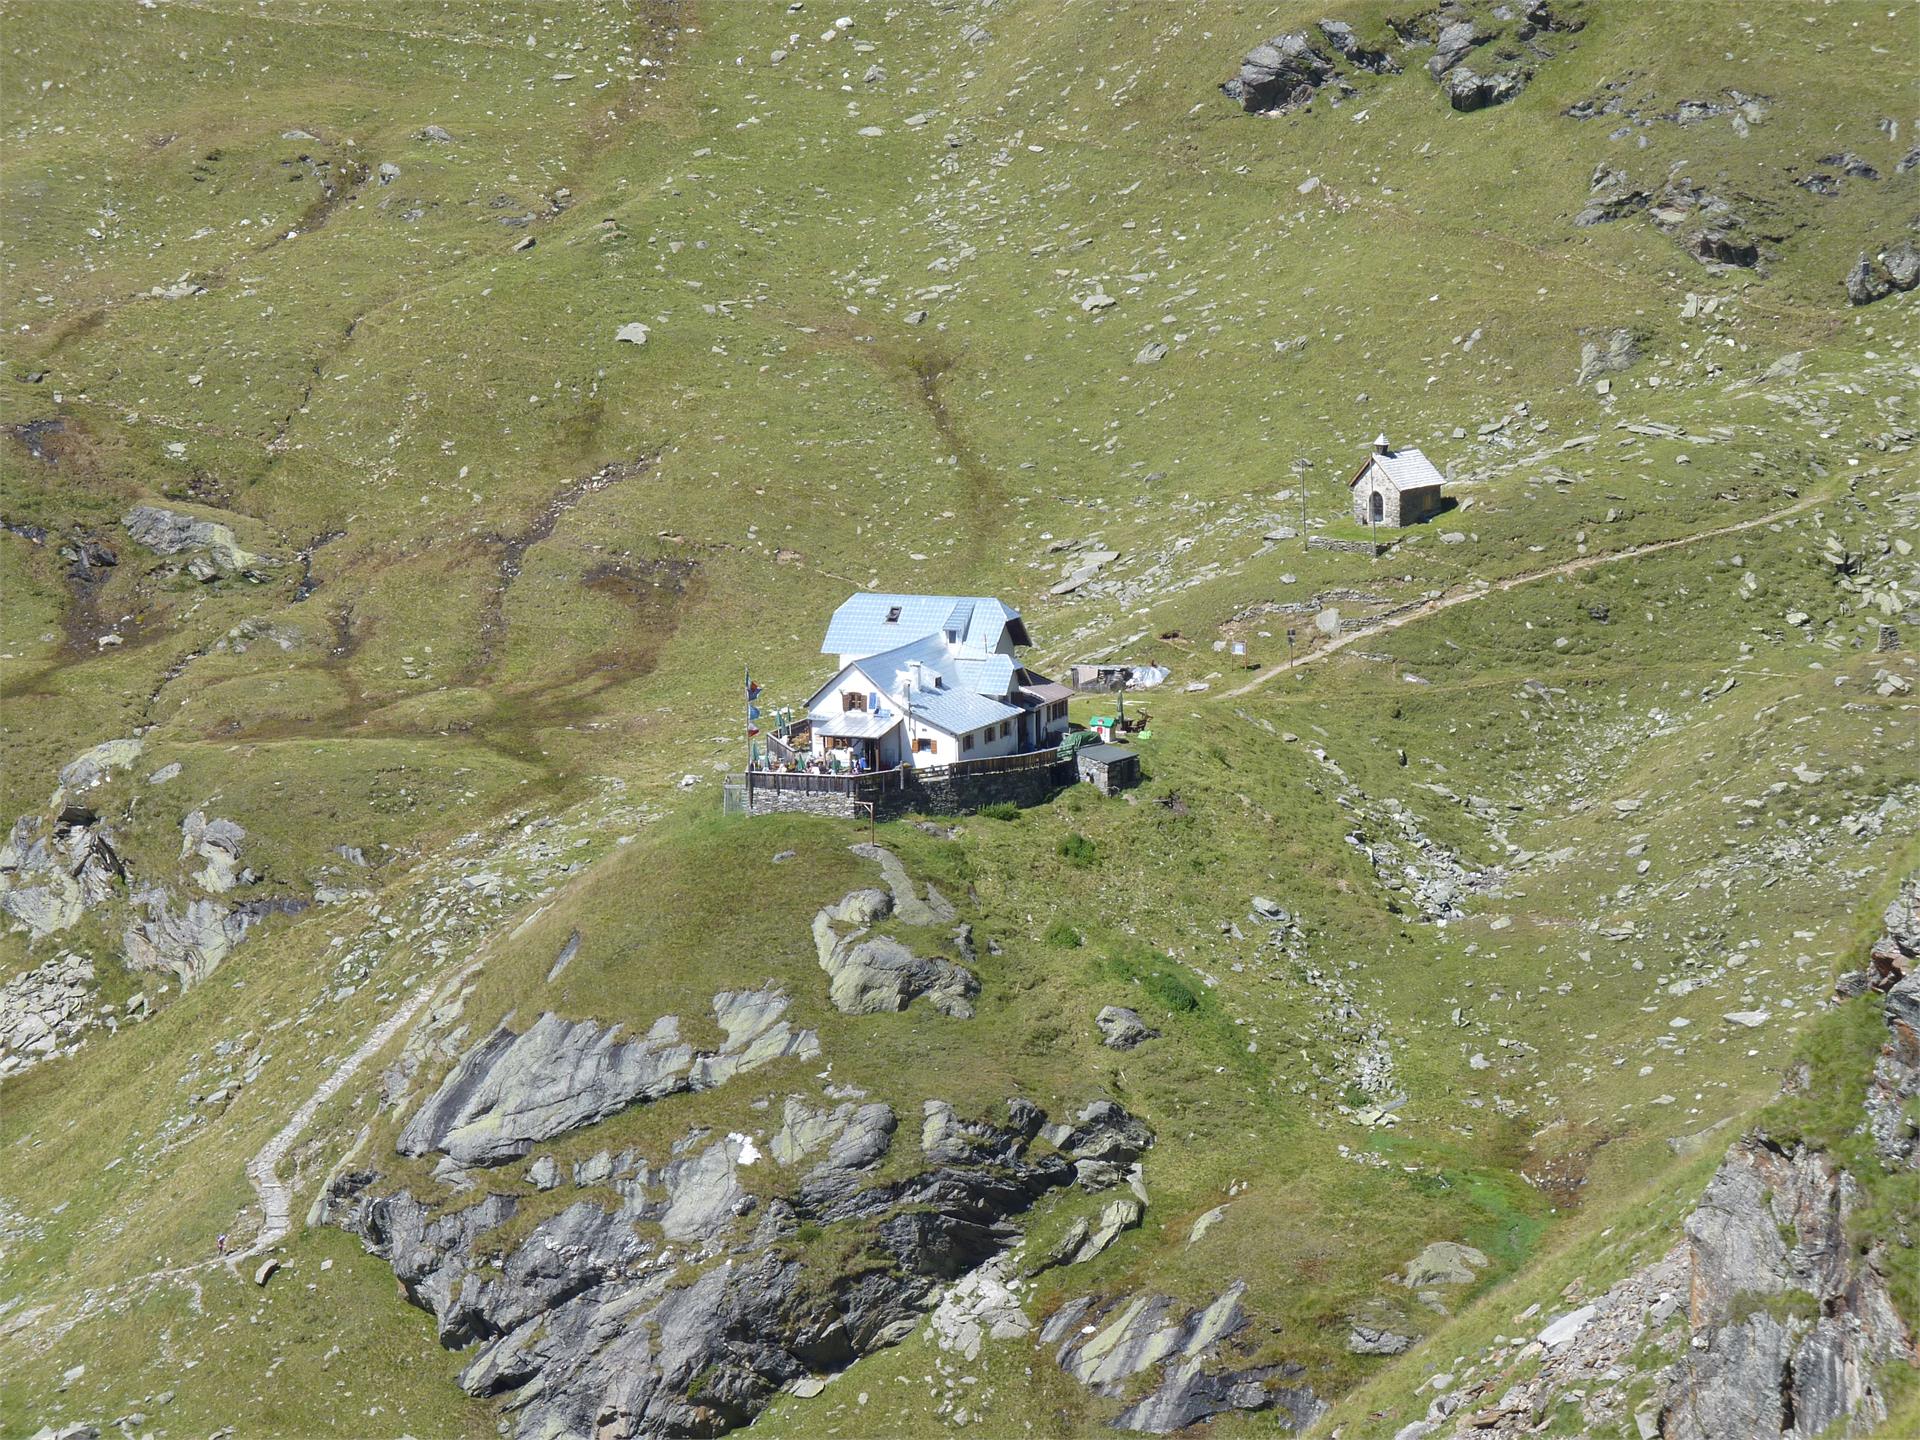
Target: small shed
1107, 767
1396, 487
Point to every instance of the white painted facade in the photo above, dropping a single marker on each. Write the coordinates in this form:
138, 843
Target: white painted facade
950, 692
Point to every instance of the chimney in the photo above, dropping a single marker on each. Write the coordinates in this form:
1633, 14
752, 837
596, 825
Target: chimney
1380, 446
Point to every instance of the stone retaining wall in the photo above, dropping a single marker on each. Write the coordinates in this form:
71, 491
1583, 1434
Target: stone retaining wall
787, 802
958, 794
1349, 547
947, 795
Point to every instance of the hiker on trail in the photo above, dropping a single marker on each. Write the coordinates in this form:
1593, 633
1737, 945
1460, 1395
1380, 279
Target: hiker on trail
222, 1242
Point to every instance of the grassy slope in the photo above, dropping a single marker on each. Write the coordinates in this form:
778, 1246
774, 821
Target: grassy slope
405, 379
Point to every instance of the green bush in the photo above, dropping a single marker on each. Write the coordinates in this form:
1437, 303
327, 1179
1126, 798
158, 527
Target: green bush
1170, 990
1061, 936
1077, 849
1000, 810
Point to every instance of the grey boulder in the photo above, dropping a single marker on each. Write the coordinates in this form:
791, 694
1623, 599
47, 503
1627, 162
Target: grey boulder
1121, 1028
214, 553
1867, 282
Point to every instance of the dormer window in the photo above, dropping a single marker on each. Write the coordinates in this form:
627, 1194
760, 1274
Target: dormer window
953, 637
893, 615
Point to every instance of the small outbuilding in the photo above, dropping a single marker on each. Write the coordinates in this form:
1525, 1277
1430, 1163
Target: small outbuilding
1107, 767
1396, 488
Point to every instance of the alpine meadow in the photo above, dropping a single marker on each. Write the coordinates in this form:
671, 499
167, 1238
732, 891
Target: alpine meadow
1027, 718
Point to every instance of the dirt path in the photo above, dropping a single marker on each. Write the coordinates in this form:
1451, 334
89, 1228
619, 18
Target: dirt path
263, 1170
1422, 609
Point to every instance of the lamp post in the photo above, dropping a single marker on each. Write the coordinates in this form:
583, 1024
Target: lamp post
1300, 468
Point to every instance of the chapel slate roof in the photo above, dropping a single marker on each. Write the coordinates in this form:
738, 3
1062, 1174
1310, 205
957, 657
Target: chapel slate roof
1405, 469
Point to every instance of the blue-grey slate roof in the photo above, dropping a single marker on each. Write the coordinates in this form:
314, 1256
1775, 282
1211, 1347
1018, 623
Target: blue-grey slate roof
958, 711
860, 626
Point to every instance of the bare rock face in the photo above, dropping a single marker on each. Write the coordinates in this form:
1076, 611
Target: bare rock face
597, 1323
1453, 45
53, 870
1896, 1079
1795, 1319
512, 1091
1103, 1344
193, 941
217, 843
57, 865
89, 768
1104, 1140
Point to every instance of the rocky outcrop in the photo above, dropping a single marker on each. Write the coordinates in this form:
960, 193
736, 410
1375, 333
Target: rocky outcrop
192, 942
56, 866
1444, 1262
1876, 277
880, 974
1104, 1344
984, 1305
1453, 44
1468, 90
1611, 196
212, 551
1706, 224
909, 906
1348, 45
1287, 71
216, 843
53, 869
1104, 1141
1790, 1309
1720, 245
513, 1090
90, 767
1371, 1339
1279, 75
45, 1012
1795, 1322
1896, 1080
1775, 1307
594, 1324
1616, 352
